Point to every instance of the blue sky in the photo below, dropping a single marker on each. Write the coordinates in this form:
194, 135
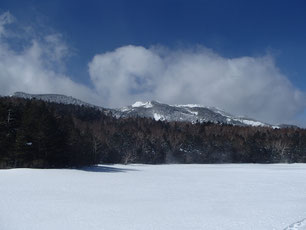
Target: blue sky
230, 29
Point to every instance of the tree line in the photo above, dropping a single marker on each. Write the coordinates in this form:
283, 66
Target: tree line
38, 134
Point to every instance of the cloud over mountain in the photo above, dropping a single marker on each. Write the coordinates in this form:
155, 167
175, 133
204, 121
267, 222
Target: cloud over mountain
247, 85
251, 86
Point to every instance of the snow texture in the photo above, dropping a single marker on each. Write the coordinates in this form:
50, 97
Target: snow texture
118, 197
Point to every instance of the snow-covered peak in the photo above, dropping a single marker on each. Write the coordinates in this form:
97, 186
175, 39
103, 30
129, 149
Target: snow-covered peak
186, 112
147, 104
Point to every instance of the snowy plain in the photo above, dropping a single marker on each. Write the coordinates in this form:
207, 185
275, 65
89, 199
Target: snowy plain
138, 197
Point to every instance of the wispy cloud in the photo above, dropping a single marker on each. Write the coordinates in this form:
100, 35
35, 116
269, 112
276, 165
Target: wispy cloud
251, 86
5, 18
36, 68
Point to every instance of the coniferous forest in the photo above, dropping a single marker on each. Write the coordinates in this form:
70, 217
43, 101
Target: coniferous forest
38, 134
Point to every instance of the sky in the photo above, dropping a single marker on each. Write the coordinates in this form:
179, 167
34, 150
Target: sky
246, 57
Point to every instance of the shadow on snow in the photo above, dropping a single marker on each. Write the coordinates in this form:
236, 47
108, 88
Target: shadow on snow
106, 169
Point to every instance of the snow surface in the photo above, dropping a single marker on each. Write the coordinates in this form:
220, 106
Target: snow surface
138, 197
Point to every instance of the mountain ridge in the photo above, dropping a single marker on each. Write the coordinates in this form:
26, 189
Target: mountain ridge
192, 113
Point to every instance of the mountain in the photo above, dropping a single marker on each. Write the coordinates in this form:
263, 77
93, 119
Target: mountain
55, 98
152, 109
48, 135
191, 113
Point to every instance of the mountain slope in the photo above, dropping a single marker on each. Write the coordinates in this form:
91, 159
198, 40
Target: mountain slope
189, 113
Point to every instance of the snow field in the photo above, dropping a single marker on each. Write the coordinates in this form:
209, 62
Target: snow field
137, 197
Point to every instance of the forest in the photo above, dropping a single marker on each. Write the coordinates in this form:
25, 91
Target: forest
38, 134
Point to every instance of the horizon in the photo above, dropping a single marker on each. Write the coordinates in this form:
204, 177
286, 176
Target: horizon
246, 58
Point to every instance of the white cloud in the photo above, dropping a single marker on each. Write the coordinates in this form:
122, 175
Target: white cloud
248, 86
127, 74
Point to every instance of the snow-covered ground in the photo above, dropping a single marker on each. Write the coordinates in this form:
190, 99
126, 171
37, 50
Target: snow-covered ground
145, 197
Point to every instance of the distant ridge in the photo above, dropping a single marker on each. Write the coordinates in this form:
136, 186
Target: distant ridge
152, 109
55, 98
